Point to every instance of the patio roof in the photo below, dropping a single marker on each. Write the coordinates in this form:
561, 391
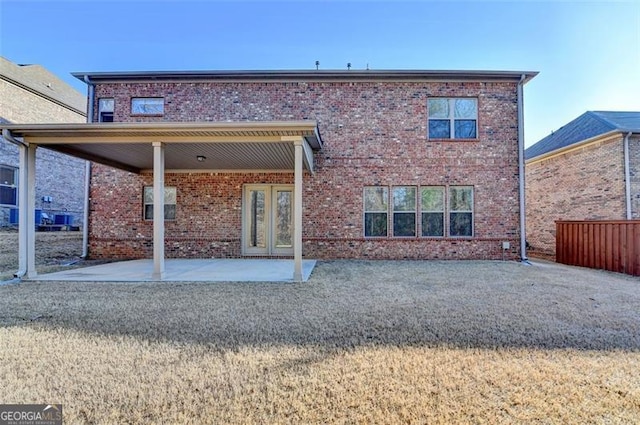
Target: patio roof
222, 146
166, 147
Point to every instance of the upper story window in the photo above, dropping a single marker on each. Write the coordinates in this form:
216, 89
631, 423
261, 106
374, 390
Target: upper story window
8, 185
453, 118
147, 106
105, 110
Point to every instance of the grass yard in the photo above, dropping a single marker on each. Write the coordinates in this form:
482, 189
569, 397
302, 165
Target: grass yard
361, 342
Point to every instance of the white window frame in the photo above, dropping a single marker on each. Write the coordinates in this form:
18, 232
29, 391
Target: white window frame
452, 118
148, 201
451, 211
13, 186
443, 190
147, 106
106, 105
407, 212
365, 212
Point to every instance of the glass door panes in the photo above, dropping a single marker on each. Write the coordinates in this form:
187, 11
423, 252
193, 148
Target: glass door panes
283, 214
268, 220
257, 223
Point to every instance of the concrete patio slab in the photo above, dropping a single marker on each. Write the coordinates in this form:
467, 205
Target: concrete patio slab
181, 270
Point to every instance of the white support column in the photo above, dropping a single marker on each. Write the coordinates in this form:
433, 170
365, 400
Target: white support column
158, 211
297, 212
31, 211
23, 201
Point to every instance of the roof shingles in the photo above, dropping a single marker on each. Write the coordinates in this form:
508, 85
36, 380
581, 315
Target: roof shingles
588, 125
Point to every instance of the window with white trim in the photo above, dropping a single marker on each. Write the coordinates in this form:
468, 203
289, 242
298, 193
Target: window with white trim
431, 203
404, 210
452, 118
105, 109
147, 105
432, 210
376, 211
170, 198
461, 211
8, 185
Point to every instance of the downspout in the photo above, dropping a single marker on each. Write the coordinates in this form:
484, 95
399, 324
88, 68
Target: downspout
6, 134
627, 175
87, 174
523, 234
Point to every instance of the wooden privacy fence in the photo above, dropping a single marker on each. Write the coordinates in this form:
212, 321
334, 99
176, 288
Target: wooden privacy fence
608, 244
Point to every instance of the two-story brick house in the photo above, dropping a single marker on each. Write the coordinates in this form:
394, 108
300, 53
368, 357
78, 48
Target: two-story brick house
325, 164
32, 94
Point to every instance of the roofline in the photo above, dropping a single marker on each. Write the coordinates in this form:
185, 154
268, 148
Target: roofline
306, 128
43, 95
307, 75
581, 144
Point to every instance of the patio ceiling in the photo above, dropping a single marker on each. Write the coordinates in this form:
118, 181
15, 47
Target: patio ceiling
226, 146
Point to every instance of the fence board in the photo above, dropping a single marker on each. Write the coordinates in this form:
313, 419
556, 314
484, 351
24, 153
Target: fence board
608, 244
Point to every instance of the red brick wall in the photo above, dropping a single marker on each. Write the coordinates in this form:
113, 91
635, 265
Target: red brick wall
634, 168
583, 184
374, 134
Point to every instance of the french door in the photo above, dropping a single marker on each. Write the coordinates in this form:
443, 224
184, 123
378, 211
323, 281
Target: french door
267, 223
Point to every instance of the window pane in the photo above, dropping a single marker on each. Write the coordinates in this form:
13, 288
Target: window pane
284, 231
460, 224
465, 129
7, 176
257, 224
148, 212
8, 195
148, 194
465, 108
404, 198
432, 224
169, 195
438, 108
105, 105
439, 129
432, 199
460, 199
404, 224
169, 212
147, 105
375, 198
375, 224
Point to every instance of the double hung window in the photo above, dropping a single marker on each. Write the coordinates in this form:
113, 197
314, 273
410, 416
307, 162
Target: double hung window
453, 118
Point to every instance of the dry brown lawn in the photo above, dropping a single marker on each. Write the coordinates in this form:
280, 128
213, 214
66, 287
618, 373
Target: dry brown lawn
53, 251
361, 342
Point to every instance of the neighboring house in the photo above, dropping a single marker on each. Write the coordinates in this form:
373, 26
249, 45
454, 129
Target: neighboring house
587, 170
31, 94
325, 164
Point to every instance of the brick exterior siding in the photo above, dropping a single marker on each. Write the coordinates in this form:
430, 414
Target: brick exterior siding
57, 175
582, 184
634, 171
374, 133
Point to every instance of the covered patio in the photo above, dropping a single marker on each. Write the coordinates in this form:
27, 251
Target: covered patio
181, 270
167, 147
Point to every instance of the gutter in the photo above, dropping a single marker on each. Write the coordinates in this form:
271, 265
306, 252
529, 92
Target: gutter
8, 136
627, 175
87, 173
523, 234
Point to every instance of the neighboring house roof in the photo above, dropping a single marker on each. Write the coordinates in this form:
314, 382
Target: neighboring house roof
309, 75
37, 79
586, 126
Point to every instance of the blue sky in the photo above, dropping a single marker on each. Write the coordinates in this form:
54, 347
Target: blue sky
587, 52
